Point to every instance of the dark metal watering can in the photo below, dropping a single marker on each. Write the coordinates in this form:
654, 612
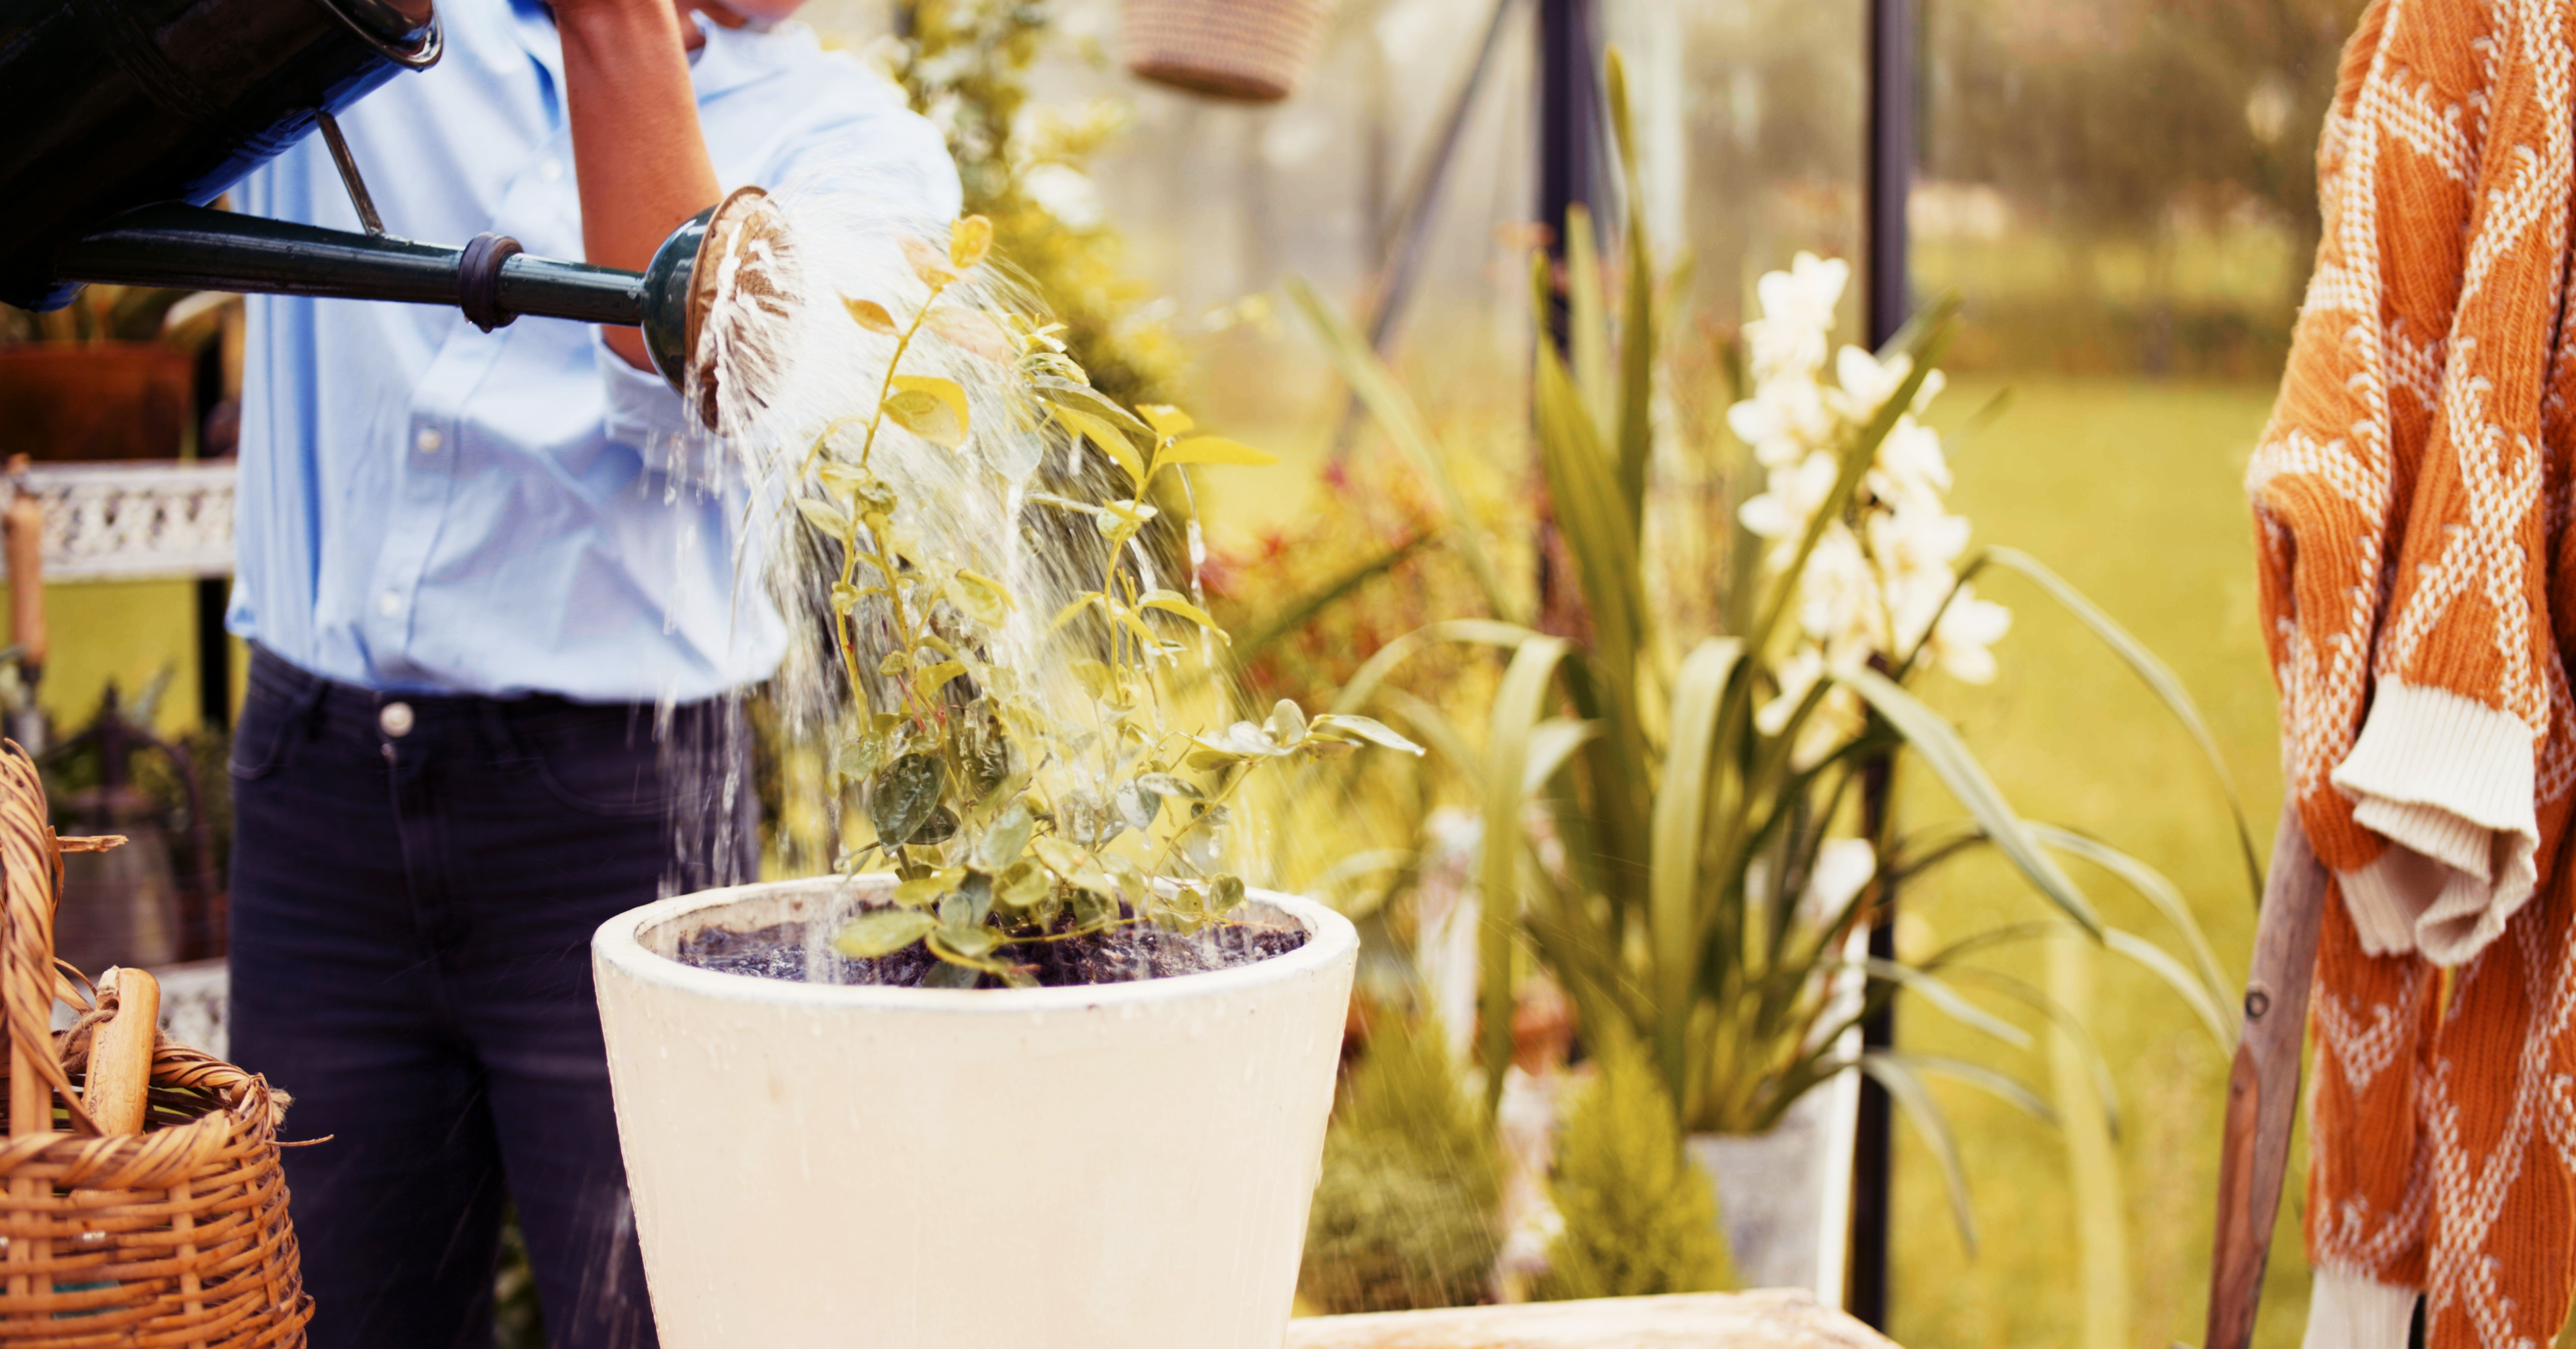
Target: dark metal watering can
126, 117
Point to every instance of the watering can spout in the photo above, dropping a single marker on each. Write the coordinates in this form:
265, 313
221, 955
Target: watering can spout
489, 278
127, 117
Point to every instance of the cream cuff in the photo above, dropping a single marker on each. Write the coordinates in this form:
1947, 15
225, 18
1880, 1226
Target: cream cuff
2355, 1311
2449, 781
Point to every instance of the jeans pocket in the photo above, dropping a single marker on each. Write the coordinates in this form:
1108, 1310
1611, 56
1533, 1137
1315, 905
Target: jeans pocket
260, 738
604, 772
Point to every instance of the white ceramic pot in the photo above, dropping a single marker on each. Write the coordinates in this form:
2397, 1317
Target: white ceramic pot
1121, 1165
1784, 1197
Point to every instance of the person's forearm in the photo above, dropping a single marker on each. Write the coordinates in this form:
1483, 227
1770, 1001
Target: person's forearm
638, 156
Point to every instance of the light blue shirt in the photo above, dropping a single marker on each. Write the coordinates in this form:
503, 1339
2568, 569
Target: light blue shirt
425, 507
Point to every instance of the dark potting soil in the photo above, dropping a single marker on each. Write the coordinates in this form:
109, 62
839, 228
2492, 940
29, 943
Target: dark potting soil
1116, 956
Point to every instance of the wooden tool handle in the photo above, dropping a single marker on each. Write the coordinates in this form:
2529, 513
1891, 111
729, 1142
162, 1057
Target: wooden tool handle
22, 534
120, 1053
2263, 1084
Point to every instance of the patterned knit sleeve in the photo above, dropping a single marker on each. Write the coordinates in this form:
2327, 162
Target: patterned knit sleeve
2444, 766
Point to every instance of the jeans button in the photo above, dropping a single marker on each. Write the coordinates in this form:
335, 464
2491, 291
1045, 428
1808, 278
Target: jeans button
394, 719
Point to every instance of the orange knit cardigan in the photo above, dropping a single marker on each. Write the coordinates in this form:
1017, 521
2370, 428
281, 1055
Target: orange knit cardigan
2411, 499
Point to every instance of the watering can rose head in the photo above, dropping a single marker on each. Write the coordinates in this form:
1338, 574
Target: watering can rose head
1026, 770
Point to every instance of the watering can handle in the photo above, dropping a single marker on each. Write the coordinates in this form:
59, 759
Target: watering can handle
2263, 1084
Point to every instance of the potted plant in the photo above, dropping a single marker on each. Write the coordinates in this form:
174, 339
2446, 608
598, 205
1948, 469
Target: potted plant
1032, 1068
1693, 831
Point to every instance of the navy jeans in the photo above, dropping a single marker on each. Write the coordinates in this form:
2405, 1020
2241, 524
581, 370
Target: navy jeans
415, 883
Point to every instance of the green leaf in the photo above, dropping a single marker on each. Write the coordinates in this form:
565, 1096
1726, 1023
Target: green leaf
1519, 704
1386, 400
928, 681
905, 795
1005, 837
1583, 491
951, 974
2167, 900
1343, 726
881, 932
2159, 962
949, 396
1932, 737
962, 941
925, 416
2142, 662
1213, 450
826, 516
1167, 421
1364, 682
1225, 893
1059, 392
871, 316
1587, 319
1171, 602
1024, 886
983, 598
1080, 602
1675, 887
1110, 439
1551, 743
969, 240
1914, 1101
1932, 989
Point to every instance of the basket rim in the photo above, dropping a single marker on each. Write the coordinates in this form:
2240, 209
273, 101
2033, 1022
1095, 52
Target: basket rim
1330, 939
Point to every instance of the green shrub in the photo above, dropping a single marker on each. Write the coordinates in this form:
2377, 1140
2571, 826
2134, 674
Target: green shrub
1405, 1214
1639, 1218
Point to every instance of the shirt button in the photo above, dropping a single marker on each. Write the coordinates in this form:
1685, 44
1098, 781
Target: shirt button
427, 442
395, 720
389, 604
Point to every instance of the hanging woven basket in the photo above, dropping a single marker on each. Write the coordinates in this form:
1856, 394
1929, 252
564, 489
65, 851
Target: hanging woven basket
173, 1235
1250, 51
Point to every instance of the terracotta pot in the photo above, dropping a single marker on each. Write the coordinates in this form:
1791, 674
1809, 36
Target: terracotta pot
1250, 51
91, 401
1120, 1166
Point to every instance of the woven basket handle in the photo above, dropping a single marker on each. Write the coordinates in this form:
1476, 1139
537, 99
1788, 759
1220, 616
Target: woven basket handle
31, 878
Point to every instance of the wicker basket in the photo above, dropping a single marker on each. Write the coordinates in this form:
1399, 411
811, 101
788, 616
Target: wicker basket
1251, 51
176, 1236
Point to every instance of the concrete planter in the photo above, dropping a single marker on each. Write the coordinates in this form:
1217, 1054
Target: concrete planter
1120, 1165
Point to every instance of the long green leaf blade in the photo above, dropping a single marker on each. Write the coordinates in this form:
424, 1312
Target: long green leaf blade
2154, 888
1364, 682
2157, 676
1932, 737
1914, 1101
1519, 704
1674, 886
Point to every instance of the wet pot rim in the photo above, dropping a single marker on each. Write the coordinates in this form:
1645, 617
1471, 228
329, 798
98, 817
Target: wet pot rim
617, 945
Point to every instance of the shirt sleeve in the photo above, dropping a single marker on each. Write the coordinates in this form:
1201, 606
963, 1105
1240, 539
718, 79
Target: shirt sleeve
646, 415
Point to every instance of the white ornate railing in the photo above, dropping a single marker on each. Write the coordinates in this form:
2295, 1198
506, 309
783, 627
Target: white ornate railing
123, 522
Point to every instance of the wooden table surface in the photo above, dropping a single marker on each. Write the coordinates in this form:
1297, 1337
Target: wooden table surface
1770, 1319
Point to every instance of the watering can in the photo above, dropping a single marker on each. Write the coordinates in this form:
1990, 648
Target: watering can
127, 117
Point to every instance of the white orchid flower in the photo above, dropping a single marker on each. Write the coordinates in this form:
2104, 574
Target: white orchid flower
1967, 628
1867, 382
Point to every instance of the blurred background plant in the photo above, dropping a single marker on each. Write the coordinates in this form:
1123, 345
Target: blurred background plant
1405, 1214
1635, 1219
